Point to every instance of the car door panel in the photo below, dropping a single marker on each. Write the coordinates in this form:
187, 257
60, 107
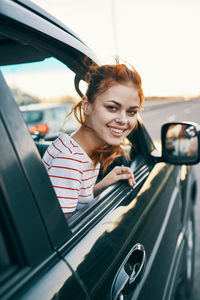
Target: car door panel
187, 188
58, 283
161, 246
150, 218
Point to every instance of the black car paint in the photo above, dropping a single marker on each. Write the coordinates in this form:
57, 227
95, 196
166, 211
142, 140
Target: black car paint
112, 238
81, 261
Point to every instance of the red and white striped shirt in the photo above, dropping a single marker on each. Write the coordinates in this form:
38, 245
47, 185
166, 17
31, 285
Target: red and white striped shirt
71, 172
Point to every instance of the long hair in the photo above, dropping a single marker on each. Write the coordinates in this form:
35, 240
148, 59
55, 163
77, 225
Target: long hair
100, 79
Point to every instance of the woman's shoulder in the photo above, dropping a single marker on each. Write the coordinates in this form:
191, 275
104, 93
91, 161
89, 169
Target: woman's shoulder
63, 143
67, 145
69, 149
60, 146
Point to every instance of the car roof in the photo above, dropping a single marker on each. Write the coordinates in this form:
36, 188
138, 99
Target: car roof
39, 11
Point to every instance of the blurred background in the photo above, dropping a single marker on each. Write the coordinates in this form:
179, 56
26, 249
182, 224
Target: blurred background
159, 38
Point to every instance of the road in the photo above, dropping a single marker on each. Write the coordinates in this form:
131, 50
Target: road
153, 120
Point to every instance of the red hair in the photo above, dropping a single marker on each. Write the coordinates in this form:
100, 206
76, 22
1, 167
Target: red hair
100, 79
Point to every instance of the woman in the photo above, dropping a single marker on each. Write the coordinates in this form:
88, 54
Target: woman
107, 114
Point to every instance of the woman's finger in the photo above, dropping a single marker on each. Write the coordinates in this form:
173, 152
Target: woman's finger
125, 173
122, 169
128, 171
131, 181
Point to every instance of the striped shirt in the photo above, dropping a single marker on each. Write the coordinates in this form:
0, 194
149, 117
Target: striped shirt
71, 172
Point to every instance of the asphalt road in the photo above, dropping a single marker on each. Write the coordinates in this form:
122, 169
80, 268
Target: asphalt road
153, 120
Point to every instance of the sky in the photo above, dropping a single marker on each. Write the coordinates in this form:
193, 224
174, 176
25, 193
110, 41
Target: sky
160, 38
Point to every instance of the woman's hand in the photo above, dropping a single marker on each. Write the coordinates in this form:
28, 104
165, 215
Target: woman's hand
117, 173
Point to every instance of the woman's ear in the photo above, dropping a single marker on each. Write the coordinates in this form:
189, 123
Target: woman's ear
86, 105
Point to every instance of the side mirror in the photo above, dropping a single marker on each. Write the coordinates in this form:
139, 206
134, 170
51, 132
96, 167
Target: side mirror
181, 143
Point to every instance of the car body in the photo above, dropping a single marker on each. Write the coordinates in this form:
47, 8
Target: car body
130, 242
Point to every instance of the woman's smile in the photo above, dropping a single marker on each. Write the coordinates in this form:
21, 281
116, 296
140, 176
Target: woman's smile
116, 131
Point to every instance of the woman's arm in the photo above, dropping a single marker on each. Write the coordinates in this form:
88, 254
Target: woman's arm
117, 173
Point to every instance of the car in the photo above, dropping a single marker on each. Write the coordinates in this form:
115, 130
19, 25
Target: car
130, 242
47, 120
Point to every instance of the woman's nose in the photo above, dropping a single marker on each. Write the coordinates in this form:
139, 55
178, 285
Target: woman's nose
121, 118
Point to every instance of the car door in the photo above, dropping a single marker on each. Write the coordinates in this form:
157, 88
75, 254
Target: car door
126, 243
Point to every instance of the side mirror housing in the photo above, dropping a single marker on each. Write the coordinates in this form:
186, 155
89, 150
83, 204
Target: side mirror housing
181, 143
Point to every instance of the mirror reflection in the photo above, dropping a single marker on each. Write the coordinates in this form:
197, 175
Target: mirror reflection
181, 140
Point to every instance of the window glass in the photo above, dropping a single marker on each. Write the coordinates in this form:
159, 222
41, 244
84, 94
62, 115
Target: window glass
45, 93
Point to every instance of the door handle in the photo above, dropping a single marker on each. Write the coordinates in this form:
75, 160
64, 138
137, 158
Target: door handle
129, 273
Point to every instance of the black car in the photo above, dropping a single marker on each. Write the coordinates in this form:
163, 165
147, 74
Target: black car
131, 242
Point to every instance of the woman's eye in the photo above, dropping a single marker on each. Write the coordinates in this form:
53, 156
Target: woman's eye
112, 108
132, 112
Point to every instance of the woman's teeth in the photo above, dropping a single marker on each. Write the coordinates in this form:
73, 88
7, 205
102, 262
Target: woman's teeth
116, 130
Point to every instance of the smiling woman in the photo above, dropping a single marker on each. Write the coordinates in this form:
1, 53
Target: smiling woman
107, 114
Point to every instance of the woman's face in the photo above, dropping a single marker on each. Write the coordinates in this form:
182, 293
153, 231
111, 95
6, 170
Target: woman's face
113, 114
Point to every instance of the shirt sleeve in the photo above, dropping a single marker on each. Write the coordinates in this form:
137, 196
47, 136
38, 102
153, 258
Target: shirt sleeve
66, 174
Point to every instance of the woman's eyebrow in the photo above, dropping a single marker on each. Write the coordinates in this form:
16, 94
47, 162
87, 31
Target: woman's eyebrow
115, 102
119, 105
